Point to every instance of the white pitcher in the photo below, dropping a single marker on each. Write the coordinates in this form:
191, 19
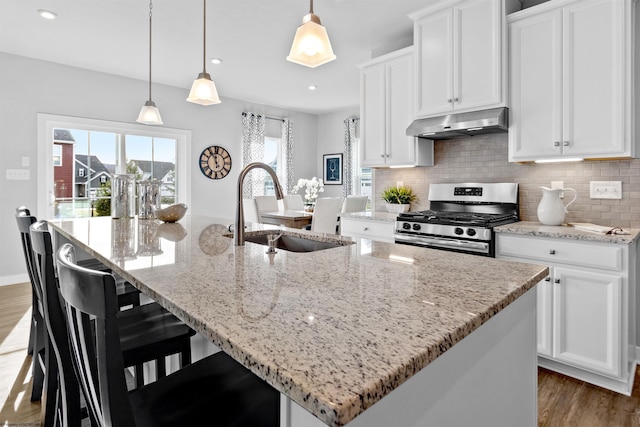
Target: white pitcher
551, 210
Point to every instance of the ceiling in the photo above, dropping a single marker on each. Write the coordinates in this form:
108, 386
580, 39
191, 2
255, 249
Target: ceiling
252, 37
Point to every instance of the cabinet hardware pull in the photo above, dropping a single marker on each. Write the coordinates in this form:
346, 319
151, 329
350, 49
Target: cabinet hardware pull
365, 229
556, 281
556, 143
449, 100
382, 155
552, 252
456, 100
565, 143
547, 279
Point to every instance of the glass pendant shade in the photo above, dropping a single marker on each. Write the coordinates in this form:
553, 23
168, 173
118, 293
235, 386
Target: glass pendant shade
311, 46
149, 114
203, 91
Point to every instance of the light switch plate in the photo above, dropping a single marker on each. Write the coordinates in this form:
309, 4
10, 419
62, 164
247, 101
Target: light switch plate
605, 189
18, 174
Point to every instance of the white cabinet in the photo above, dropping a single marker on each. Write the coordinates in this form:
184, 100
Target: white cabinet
570, 65
586, 307
459, 61
387, 93
381, 231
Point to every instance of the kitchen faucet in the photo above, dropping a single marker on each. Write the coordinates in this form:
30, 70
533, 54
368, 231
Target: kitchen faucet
238, 231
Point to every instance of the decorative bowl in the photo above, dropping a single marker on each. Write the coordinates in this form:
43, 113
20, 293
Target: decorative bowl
171, 213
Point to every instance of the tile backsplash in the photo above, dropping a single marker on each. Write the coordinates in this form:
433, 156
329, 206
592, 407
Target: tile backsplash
484, 159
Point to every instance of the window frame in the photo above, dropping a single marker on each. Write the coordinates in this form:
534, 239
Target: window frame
48, 122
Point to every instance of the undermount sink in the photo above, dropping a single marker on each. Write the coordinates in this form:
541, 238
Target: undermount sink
293, 243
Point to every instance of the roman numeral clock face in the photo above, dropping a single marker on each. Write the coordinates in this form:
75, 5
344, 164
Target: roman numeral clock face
215, 162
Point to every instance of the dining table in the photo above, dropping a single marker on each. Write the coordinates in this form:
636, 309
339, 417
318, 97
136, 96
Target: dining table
288, 218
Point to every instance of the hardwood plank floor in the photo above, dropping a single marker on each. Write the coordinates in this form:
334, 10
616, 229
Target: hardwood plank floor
562, 401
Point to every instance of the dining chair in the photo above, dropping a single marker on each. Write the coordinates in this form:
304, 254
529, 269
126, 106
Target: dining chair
354, 203
266, 204
147, 332
250, 212
293, 202
325, 214
214, 390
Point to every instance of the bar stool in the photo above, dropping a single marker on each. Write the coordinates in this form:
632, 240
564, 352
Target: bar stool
215, 390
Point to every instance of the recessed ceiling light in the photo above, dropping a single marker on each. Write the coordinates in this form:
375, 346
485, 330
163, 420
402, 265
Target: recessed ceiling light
216, 61
47, 14
313, 87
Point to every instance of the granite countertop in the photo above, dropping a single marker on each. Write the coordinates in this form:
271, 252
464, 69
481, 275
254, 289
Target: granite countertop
335, 330
371, 216
528, 228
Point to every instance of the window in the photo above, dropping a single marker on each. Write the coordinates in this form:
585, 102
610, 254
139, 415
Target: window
273, 158
99, 150
57, 155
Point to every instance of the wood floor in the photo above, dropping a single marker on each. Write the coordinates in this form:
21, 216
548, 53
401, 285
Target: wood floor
562, 401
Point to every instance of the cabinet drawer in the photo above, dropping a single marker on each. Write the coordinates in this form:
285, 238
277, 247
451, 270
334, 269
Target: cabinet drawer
374, 230
554, 251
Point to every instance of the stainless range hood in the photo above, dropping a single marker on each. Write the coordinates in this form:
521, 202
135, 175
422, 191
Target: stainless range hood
461, 125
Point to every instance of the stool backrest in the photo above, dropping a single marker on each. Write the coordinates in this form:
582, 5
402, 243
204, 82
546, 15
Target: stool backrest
325, 214
24, 221
293, 202
91, 309
355, 204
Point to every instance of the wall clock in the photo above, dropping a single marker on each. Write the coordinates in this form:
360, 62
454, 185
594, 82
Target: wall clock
215, 162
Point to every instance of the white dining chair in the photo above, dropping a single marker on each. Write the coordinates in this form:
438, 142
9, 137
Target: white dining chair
355, 204
266, 204
250, 212
293, 202
325, 215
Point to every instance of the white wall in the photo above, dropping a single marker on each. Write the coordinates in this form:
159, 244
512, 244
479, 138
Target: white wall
331, 141
28, 87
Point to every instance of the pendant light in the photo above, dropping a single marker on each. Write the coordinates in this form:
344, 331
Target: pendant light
149, 113
311, 46
203, 90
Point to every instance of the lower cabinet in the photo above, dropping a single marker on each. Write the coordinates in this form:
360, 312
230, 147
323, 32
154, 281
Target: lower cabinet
381, 231
585, 314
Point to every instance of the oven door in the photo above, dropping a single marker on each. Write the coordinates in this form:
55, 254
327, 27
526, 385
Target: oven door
438, 242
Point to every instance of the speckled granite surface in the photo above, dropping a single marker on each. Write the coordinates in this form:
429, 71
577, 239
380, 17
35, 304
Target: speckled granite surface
335, 330
566, 232
373, 216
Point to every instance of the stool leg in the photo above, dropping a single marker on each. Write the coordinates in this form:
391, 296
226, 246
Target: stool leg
37, 368
161, 368
139, 376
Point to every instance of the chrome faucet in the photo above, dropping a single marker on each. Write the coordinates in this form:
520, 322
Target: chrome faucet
238, 231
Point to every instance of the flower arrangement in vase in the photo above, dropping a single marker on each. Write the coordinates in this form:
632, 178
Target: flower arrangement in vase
312, 187
398, 198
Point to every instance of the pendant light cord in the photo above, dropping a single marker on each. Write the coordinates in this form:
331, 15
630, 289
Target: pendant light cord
204, 37
311, 7
150, 15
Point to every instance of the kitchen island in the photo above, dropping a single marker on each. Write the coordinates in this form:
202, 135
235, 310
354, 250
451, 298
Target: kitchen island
367, 333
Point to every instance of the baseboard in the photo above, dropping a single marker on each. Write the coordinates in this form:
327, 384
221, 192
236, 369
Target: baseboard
12, 280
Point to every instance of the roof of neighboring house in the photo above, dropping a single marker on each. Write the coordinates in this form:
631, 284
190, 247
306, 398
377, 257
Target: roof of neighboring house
62, 135
160, 169
97, 169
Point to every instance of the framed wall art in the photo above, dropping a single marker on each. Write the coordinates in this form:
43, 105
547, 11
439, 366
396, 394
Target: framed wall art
332, 165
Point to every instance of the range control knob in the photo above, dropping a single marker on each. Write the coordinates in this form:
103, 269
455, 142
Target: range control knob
406, 226
416, 227
471, 232
459, 231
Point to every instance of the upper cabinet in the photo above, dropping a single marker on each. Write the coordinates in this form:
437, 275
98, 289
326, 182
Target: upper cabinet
571, 76
387, 93
460, 64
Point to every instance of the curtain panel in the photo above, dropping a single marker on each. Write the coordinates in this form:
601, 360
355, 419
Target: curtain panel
252, 151
350, 156
286, 172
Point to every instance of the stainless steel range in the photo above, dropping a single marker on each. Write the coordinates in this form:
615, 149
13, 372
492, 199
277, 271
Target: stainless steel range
461, 217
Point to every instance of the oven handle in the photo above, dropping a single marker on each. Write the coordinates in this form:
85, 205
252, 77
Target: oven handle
446, 243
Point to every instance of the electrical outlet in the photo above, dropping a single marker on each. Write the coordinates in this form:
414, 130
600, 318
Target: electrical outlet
605, 189
18, 174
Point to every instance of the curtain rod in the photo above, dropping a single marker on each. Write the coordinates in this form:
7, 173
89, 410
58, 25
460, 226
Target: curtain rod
266, 117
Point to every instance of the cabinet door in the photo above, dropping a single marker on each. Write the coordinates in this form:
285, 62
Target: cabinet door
594, 76
477, 62
587, 320
373, 130
400, 148
434, 71
544, 318
535, 65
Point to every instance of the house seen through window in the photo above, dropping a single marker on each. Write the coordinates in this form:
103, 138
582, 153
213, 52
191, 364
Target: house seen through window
85, 161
